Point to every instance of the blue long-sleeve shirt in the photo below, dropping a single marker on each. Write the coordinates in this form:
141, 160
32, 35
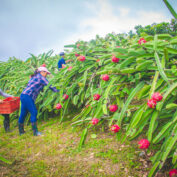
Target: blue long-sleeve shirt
60, 62
35, 85
4, 94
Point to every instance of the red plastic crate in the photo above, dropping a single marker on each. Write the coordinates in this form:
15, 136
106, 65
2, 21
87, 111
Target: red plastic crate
9, 105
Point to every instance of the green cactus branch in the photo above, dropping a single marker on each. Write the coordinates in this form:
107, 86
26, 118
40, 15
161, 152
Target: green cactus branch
170, 9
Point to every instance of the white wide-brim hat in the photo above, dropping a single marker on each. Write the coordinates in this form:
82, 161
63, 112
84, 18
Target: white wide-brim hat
42, 68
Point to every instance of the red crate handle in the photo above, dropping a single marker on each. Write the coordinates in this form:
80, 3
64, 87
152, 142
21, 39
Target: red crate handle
9, 99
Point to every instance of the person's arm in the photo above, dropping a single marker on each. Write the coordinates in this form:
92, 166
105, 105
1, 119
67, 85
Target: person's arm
67, 61
54, 89
1, 101
63, 66
45, 82
4, 94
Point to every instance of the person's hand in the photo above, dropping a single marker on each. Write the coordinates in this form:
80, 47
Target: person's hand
68, 61
1, 101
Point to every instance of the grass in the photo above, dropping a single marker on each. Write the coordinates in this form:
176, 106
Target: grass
56, 153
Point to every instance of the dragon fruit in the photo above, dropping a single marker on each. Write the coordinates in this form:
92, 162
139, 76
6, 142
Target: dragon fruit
95, 121
97, 60
78, 45
96, 97
105, 77
81, 58
141, 41
69, 68
115, 60
113, 108
88, 105
143, 144
151, 103
65, 96
115, 128
173, 173
157, 96
43, 65
58, 106
76, 54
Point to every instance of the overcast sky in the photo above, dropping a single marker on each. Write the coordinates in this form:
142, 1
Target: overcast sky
37, 26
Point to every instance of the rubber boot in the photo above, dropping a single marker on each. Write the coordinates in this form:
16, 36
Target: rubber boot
21, 128
35, 130
6, 122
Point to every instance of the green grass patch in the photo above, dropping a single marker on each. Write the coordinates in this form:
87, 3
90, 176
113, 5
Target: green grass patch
56, 153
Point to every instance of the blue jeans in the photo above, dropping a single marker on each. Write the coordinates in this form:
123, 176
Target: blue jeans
27, 105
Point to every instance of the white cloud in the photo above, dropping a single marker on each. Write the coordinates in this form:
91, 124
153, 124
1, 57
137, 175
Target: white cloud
105, 21
123, 11
146, 18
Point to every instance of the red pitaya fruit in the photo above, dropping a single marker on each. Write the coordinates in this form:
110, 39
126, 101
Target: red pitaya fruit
151, 103
58, 106
87, 105
141, 41
173, 173
113, 108
78, 45
143, 144
98, 60
95, 121
65, 96
117, 46
76, 54
115, 128
96, 97
105, 77
157, 96
81, 58
43, 65
115, 60
69, 68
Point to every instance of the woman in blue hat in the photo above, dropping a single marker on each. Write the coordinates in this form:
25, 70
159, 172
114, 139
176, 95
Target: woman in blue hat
62, 62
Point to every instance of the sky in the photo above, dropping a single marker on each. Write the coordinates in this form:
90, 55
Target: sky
37, 26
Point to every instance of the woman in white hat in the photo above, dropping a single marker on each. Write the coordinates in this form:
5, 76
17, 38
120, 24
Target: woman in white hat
35, 85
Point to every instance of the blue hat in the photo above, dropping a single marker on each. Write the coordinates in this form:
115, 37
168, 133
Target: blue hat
62, 53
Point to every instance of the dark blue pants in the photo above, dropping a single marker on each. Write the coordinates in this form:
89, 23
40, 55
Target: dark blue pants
6, 122
27, 105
